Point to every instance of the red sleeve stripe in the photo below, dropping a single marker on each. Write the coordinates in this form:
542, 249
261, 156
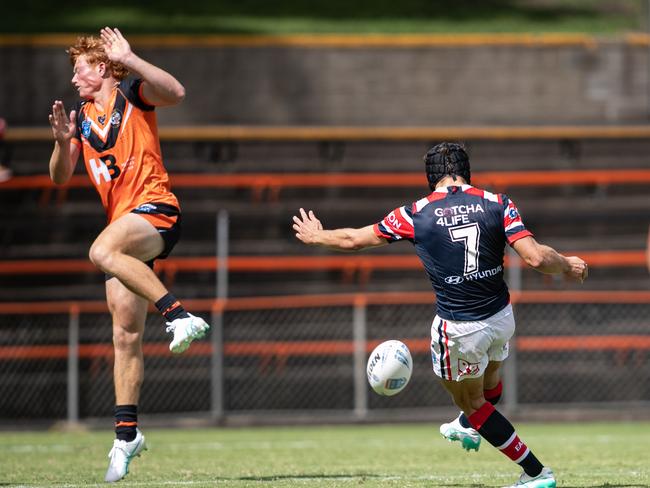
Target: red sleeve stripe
511, 217
405, 216
510, 224
379, 232
519, 235
397, 221
388, 229
396, 225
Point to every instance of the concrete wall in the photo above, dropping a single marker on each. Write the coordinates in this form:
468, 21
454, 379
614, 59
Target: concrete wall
382, 86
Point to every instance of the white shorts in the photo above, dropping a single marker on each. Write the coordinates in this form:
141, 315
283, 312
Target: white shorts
462, 350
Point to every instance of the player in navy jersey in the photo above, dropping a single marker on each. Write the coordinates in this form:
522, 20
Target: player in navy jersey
460, 233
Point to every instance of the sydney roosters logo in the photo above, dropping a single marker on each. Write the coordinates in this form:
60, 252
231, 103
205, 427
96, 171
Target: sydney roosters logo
468, 369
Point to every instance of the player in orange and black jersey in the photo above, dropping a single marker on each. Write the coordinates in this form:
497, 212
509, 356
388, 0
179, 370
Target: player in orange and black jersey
114, 128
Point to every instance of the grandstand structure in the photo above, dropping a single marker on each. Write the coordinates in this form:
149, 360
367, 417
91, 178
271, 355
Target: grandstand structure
294, 325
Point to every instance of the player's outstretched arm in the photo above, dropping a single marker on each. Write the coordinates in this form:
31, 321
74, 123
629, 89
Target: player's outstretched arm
64, 156
310, 231
547, 260
159, 87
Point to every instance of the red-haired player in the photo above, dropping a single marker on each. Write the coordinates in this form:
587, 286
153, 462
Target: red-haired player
114, 127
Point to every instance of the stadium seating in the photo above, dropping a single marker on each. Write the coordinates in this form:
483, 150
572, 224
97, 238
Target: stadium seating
559, 176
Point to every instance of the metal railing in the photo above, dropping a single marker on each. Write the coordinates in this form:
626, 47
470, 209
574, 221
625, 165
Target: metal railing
308, 353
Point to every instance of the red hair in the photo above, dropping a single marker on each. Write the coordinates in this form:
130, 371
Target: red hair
93, 49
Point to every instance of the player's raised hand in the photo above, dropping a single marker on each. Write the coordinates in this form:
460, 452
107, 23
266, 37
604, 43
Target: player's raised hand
63, 127
578, 269
307, 227
116, 46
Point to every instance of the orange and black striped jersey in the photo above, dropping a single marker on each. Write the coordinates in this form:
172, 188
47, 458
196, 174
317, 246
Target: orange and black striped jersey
121, 150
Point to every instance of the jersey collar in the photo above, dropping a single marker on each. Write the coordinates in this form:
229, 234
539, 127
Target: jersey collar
445, 189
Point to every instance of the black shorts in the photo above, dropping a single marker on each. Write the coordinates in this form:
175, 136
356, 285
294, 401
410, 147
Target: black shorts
167, 221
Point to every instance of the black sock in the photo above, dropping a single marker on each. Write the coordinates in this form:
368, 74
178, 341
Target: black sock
493, 396
126, 422
498, 431
464, 421
171, 308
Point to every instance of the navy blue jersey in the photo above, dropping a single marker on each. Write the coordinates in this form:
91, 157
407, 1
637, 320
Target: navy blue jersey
459, 234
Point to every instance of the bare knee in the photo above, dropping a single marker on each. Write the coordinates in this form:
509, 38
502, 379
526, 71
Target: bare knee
127, 339
101, 256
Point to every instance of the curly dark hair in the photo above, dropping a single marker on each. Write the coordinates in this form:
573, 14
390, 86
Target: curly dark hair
446, 159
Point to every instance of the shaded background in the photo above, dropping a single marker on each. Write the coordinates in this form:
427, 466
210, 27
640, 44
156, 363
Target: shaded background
582, 62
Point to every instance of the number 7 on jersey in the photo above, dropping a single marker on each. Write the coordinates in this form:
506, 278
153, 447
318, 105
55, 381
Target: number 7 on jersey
469, 234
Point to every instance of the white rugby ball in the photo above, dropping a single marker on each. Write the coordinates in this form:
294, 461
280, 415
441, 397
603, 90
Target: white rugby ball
389, 368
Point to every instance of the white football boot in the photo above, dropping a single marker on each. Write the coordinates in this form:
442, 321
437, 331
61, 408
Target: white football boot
545, 479
121, 455
453, 431
185, 331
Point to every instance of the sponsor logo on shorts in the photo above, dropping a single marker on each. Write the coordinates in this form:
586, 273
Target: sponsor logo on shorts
467, 369
146, 208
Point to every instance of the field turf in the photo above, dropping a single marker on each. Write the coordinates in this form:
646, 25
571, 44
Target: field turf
414, 455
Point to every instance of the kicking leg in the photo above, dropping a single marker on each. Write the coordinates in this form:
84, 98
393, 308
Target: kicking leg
121, 250
498, 431
492, 390
460, 429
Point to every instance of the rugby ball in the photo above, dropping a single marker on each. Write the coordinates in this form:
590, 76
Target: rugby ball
389, 368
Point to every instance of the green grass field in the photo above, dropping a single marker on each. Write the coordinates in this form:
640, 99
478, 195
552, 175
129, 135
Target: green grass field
414, 455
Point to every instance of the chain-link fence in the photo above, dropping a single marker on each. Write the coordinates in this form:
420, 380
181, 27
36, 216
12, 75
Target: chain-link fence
308, 354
